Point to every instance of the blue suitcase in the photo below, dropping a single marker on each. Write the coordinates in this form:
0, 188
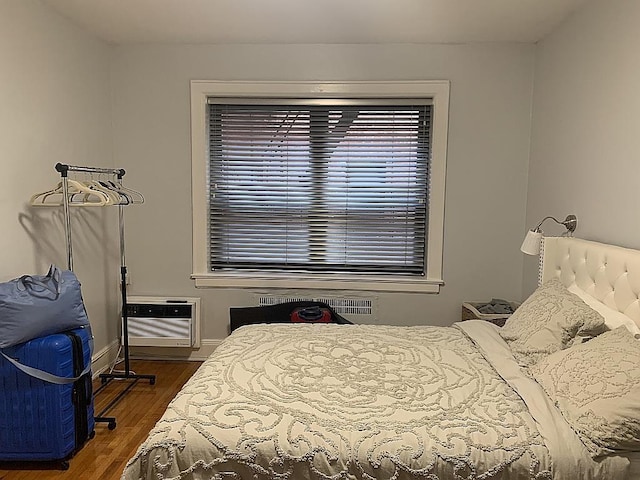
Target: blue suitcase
39, 420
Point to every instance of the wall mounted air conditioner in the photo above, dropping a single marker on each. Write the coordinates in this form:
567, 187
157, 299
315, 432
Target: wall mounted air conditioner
163, 321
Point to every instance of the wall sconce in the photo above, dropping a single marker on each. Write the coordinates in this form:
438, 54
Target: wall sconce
531, 243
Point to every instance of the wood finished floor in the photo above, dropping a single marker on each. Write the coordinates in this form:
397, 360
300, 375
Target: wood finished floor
104, 456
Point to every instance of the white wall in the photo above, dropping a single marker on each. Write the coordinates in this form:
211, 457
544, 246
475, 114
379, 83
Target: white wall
55, 90
491, 88
55, 97
586, 125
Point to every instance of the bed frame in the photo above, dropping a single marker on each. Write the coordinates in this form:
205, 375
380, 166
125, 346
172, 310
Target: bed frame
609, 273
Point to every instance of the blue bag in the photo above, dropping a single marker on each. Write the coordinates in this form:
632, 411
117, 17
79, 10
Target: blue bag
34, 306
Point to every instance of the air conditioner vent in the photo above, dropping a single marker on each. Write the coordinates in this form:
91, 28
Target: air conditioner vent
163, 322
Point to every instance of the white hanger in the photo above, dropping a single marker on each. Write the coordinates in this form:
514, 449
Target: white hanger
53, 198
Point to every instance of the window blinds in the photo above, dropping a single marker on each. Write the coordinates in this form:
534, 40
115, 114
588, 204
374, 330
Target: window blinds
319, 187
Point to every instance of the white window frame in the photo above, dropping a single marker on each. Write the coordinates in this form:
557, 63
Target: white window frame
437, 91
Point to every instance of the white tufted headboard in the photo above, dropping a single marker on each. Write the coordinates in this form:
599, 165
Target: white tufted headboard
609, 273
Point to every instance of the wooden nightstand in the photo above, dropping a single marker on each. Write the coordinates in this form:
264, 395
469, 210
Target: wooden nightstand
470, 312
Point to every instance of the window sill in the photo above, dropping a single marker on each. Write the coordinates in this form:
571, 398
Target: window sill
318, 282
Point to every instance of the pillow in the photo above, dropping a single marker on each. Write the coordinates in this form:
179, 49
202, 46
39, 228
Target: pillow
612, 318
596, 386
551, 319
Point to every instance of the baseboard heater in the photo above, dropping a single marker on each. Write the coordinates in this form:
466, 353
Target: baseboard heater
163, 321
357, 309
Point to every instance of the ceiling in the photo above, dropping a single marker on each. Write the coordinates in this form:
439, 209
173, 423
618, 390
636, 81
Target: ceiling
317, 21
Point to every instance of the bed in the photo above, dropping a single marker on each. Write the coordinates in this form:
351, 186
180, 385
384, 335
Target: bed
470, 401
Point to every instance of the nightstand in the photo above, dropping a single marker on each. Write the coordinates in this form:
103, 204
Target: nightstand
470, 312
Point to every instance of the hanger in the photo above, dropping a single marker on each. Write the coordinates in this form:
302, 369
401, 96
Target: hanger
116, 191
39, 198
92, 184
53, 198
125, 197
134, 195
88, 193
114, 197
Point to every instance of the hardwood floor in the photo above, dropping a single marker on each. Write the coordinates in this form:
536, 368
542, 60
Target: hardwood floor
104, 456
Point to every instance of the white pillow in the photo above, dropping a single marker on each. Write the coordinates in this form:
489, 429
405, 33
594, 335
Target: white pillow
596, 386
552, 318
612, 318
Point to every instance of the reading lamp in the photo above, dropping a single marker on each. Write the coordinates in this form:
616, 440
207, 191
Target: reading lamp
531, 243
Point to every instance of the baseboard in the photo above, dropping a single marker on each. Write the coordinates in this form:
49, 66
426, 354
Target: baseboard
207, 346
102, 360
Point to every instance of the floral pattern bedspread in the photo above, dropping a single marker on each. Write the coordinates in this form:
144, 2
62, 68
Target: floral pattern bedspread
301, 401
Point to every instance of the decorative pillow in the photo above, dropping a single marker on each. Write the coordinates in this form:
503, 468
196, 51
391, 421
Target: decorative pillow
596, 386
612, 318
549, 320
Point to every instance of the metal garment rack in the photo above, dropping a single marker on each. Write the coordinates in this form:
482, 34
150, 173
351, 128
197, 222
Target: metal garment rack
105, 378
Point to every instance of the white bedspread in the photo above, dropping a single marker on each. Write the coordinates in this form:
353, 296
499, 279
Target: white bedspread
300, 401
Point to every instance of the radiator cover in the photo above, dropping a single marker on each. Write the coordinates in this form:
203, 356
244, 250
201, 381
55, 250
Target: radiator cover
357, 309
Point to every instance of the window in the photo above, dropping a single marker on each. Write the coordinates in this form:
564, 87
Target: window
318, 188
294, 187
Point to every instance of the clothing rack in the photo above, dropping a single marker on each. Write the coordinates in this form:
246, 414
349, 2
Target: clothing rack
106, 378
